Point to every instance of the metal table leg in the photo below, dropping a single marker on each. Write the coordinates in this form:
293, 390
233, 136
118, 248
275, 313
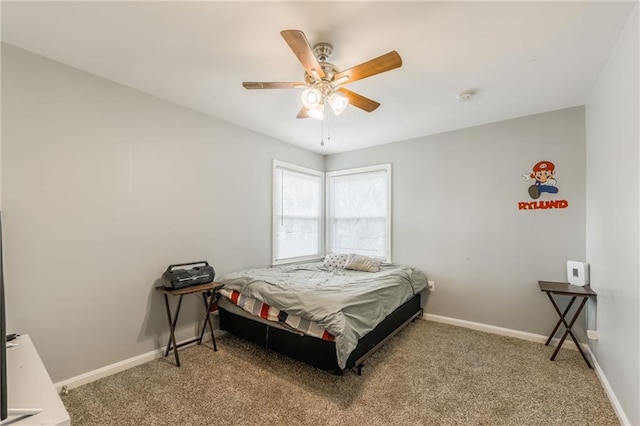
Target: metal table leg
172, 326
568, 327
207, 319
561, 315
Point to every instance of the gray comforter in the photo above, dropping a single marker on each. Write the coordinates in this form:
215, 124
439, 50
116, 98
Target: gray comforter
348, 304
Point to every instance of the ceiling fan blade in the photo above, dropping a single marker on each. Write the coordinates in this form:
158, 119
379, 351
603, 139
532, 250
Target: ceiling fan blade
386, 62
303, 113
275, 85
359, 101
298, 42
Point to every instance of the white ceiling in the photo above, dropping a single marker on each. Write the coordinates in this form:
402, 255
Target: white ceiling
521, 57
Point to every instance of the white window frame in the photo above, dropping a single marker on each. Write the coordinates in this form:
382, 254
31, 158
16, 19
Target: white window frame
277, 164
329, 202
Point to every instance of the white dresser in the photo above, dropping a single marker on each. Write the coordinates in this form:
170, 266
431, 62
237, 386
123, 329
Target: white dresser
29, 387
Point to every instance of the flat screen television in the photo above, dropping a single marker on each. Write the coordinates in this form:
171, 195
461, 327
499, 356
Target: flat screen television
3, 339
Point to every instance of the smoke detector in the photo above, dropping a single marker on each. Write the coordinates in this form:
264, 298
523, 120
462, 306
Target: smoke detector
466, 95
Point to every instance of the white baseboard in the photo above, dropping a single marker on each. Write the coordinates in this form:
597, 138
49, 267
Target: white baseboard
117, 367
624, 420
540, 339
532, 337
108, 370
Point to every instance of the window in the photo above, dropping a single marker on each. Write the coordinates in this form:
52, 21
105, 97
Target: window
359, 211
298, 232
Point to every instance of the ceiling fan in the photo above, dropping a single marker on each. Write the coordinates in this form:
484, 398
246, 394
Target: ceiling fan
323, 81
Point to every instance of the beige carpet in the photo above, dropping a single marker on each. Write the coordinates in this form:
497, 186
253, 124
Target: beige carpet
428, 374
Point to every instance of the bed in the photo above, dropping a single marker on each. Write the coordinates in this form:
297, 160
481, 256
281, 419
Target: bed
322, 313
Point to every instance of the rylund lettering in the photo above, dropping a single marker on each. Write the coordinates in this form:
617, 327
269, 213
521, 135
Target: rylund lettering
543, 205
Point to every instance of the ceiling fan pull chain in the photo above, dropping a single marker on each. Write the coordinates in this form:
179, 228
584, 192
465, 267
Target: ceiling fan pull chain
329, 125
326, 127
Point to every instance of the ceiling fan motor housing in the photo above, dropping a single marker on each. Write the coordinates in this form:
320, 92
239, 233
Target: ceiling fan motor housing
322, 51
330, 71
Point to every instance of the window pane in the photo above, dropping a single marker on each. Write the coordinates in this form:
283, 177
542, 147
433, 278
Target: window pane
358, 221
297, 214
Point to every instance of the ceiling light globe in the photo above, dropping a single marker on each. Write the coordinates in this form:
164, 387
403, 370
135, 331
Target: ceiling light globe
338, 102
316, 113
311, 98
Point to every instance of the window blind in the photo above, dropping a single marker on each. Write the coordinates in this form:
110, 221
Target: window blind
359, 211
298, 231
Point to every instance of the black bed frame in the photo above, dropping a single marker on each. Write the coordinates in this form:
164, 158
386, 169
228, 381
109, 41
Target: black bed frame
317, 352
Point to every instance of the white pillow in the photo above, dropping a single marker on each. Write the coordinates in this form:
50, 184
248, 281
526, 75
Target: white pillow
335, 260
362, 263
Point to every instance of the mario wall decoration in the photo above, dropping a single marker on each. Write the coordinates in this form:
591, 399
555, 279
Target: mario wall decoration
544, 183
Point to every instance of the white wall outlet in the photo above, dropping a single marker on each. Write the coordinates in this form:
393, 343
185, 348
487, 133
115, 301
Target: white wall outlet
431, 285
593, 335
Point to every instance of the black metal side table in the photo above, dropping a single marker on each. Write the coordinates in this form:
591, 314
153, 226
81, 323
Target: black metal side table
573, 291
208, 292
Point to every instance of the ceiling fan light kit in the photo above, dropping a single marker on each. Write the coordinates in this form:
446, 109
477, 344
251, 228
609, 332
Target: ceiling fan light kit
322, 80
314, 99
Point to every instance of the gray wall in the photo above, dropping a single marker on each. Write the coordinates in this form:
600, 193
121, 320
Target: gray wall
455, 215
102, 188
613, 212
